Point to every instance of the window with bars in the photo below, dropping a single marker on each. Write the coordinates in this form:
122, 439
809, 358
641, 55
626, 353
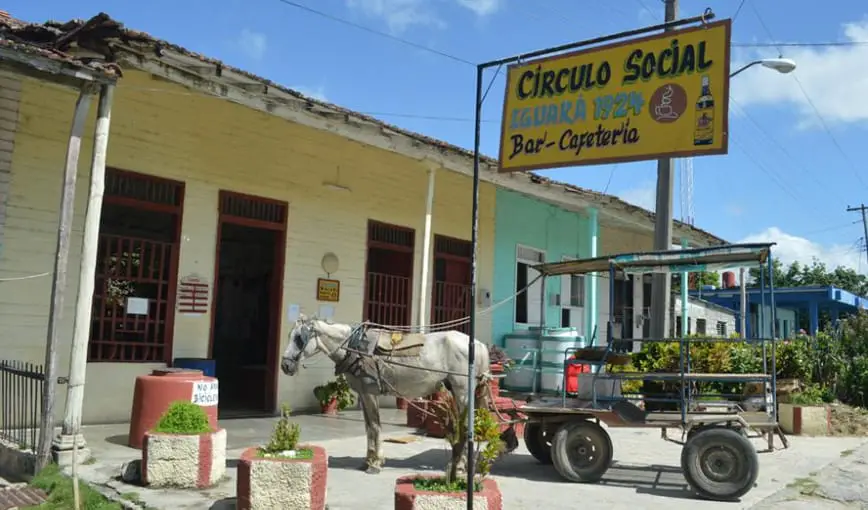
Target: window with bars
721, 328
137, 260
701, 327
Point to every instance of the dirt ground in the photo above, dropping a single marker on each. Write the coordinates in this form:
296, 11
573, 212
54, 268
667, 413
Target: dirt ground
849, 421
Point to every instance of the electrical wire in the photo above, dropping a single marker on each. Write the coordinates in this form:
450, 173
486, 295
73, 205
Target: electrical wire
20, 278
738, 10
816, 110
370, 30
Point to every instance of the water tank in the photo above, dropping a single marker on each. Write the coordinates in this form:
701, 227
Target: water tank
728, 280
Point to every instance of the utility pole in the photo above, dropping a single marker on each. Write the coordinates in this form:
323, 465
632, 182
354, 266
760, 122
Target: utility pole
863, 210
660, 283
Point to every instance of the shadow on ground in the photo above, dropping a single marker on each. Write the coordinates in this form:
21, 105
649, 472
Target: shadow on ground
657, 480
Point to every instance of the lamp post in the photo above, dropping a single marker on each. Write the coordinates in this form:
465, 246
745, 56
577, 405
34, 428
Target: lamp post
663, 222
781, 65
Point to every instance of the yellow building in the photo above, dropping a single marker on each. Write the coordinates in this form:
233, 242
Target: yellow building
227, 199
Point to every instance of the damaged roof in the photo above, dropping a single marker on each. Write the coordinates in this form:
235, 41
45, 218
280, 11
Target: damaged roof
105, 38
51, 42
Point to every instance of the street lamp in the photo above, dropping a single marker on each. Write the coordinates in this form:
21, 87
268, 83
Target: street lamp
781, 65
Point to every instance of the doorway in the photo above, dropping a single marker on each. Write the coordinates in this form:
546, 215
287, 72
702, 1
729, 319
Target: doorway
389, 279
248, 287
451, 293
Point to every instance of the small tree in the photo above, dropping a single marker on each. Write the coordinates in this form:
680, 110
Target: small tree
486, 435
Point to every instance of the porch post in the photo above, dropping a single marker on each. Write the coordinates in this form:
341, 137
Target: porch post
813, 317
83, 308
58, 284
591, 281
424, 314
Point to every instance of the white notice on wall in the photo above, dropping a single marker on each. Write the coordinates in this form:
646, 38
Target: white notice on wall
205, 393
137, 306
326, 312
292, 312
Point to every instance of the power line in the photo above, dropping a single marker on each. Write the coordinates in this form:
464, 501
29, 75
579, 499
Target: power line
780, 146
811, 103
799, 44
376, 32
737, 11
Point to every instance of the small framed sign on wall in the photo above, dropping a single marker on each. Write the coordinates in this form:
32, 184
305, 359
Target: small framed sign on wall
328, 290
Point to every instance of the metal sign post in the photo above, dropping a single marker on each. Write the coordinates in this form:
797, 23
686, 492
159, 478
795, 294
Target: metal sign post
544, 78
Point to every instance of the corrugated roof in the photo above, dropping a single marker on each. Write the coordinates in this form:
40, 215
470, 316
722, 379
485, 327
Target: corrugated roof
98, 33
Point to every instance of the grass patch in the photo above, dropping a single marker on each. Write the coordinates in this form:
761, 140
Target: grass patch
805, 486
441, 485
303, 454
59, 489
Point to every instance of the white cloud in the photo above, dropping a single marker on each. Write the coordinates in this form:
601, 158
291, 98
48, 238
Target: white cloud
792, 248
253, 44
401, 14
832, 77
481, 7
317, 93
643, 196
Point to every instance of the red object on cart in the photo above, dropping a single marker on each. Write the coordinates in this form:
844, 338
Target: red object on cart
573, 372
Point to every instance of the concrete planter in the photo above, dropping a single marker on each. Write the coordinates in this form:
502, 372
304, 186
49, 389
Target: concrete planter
265, 483
805, 420
407, 497
185, 461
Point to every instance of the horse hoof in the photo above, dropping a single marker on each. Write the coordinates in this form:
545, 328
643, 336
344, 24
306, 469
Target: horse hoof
371, 470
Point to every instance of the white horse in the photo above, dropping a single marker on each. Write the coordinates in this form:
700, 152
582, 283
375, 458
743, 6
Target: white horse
403, 365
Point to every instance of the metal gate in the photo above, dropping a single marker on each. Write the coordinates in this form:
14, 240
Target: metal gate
137, 267
389, 282
451, 293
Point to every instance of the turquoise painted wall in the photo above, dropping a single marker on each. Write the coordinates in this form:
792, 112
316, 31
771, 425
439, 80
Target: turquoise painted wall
530, 222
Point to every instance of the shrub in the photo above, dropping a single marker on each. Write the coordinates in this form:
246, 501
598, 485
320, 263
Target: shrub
285, 436
486, 430
183, 417
338, 390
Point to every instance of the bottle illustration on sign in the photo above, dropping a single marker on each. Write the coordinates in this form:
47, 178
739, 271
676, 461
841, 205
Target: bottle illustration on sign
703, 130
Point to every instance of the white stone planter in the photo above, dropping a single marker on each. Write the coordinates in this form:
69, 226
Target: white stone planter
805, 420
267, 483
184, 461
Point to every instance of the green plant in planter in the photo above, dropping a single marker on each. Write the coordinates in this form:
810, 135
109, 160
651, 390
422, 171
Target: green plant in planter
284, 439
183, 417
488, 445
338, 391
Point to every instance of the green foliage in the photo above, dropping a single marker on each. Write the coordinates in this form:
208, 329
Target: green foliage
627, 385
486, 435
60, 494
793, 359
812, 395
850, 359
338, 390
285, 435
183, 417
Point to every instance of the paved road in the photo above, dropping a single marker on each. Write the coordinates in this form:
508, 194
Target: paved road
843, 484
646, 473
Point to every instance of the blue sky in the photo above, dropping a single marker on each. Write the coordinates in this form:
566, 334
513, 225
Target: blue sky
797, 141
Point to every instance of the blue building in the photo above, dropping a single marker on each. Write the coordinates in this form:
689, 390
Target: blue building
792, 303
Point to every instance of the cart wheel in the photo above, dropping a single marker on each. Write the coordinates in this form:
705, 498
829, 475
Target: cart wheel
720, 463
538, 443
581, 451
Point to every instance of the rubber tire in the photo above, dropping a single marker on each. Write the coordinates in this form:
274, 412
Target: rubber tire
744, 452
560, 449
537, 443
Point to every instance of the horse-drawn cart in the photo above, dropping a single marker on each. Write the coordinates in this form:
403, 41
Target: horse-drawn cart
718, 459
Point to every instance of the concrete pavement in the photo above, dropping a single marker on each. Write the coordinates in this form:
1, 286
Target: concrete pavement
646, 473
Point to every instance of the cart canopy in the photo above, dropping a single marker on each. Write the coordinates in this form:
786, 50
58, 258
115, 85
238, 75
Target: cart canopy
692, 260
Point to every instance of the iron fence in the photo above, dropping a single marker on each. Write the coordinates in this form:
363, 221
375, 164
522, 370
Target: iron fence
20, 402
